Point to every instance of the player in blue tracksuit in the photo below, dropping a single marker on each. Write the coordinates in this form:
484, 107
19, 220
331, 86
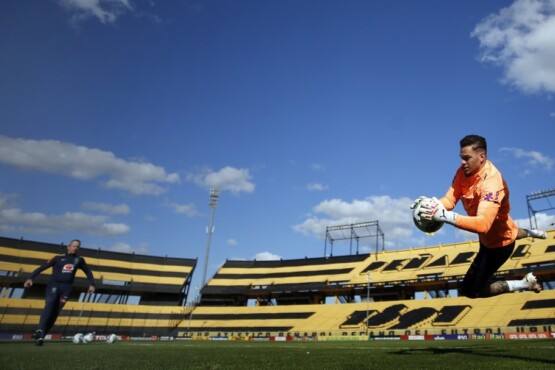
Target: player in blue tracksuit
58, 289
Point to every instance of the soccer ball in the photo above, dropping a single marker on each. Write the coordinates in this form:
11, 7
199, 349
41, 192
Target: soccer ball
88, 338
427, 226
112, 338
78, 338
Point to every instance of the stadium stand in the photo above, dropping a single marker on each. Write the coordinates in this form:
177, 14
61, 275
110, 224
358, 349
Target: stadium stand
354, 319
389, 315
298, 281
450, 315
393, 279
22, 315
430, 316
158, 285
410, 291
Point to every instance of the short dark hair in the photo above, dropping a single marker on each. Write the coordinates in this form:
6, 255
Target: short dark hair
75, 241
476, 141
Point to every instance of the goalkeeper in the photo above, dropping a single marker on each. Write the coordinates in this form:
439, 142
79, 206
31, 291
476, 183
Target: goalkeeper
484, 194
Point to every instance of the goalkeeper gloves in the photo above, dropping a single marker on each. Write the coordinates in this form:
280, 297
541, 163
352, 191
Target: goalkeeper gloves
417, 201
433, 209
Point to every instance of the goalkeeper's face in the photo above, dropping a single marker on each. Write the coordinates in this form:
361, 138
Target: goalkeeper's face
472, 160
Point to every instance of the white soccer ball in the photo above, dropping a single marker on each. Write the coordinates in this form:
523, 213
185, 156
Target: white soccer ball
88, 338
78, 338
427, 226
112, 338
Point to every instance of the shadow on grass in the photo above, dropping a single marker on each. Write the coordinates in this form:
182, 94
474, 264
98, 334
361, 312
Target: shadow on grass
485, 352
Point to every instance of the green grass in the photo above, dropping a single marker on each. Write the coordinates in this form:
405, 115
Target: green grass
475, 354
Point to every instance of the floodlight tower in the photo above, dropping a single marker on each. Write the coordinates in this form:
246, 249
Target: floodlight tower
367, 300
214, 195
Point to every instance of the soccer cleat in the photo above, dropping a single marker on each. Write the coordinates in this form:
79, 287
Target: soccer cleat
532, 283
535, 233
38, 337
37, 334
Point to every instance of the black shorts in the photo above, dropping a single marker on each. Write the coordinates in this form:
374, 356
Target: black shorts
484, 266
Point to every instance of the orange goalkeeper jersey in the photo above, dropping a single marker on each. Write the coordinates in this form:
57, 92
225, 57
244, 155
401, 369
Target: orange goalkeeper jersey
485, 197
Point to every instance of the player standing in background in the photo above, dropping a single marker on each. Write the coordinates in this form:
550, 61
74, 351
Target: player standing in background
59, 287
484, 194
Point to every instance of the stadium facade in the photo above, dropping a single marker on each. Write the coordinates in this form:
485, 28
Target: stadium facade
388, 294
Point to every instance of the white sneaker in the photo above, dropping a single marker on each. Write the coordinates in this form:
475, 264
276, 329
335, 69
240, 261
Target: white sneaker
535, 233
532, 283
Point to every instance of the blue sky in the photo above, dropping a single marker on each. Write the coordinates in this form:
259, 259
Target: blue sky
118, 116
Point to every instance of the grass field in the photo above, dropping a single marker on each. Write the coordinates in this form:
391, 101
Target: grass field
492, 355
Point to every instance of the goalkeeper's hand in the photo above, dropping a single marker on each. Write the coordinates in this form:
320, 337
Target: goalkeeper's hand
417, 201
433, 209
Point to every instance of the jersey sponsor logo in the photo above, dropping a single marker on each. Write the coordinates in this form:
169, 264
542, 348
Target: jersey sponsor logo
490, 197
68, 268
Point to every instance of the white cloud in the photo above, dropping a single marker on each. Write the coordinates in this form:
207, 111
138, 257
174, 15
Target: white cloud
111, 228
266, 256
112, 209
127, 248
544, 221
106, 11
189, 210
35, 222
394, 216
121, 247
84, 163
318, 167
14, 220
5, 199
234, 180
533, 158
464, 235
521, 40
232, 242
317, 187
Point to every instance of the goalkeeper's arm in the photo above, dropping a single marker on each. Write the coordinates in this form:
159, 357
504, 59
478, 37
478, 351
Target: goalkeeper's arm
450, 199
481, 223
